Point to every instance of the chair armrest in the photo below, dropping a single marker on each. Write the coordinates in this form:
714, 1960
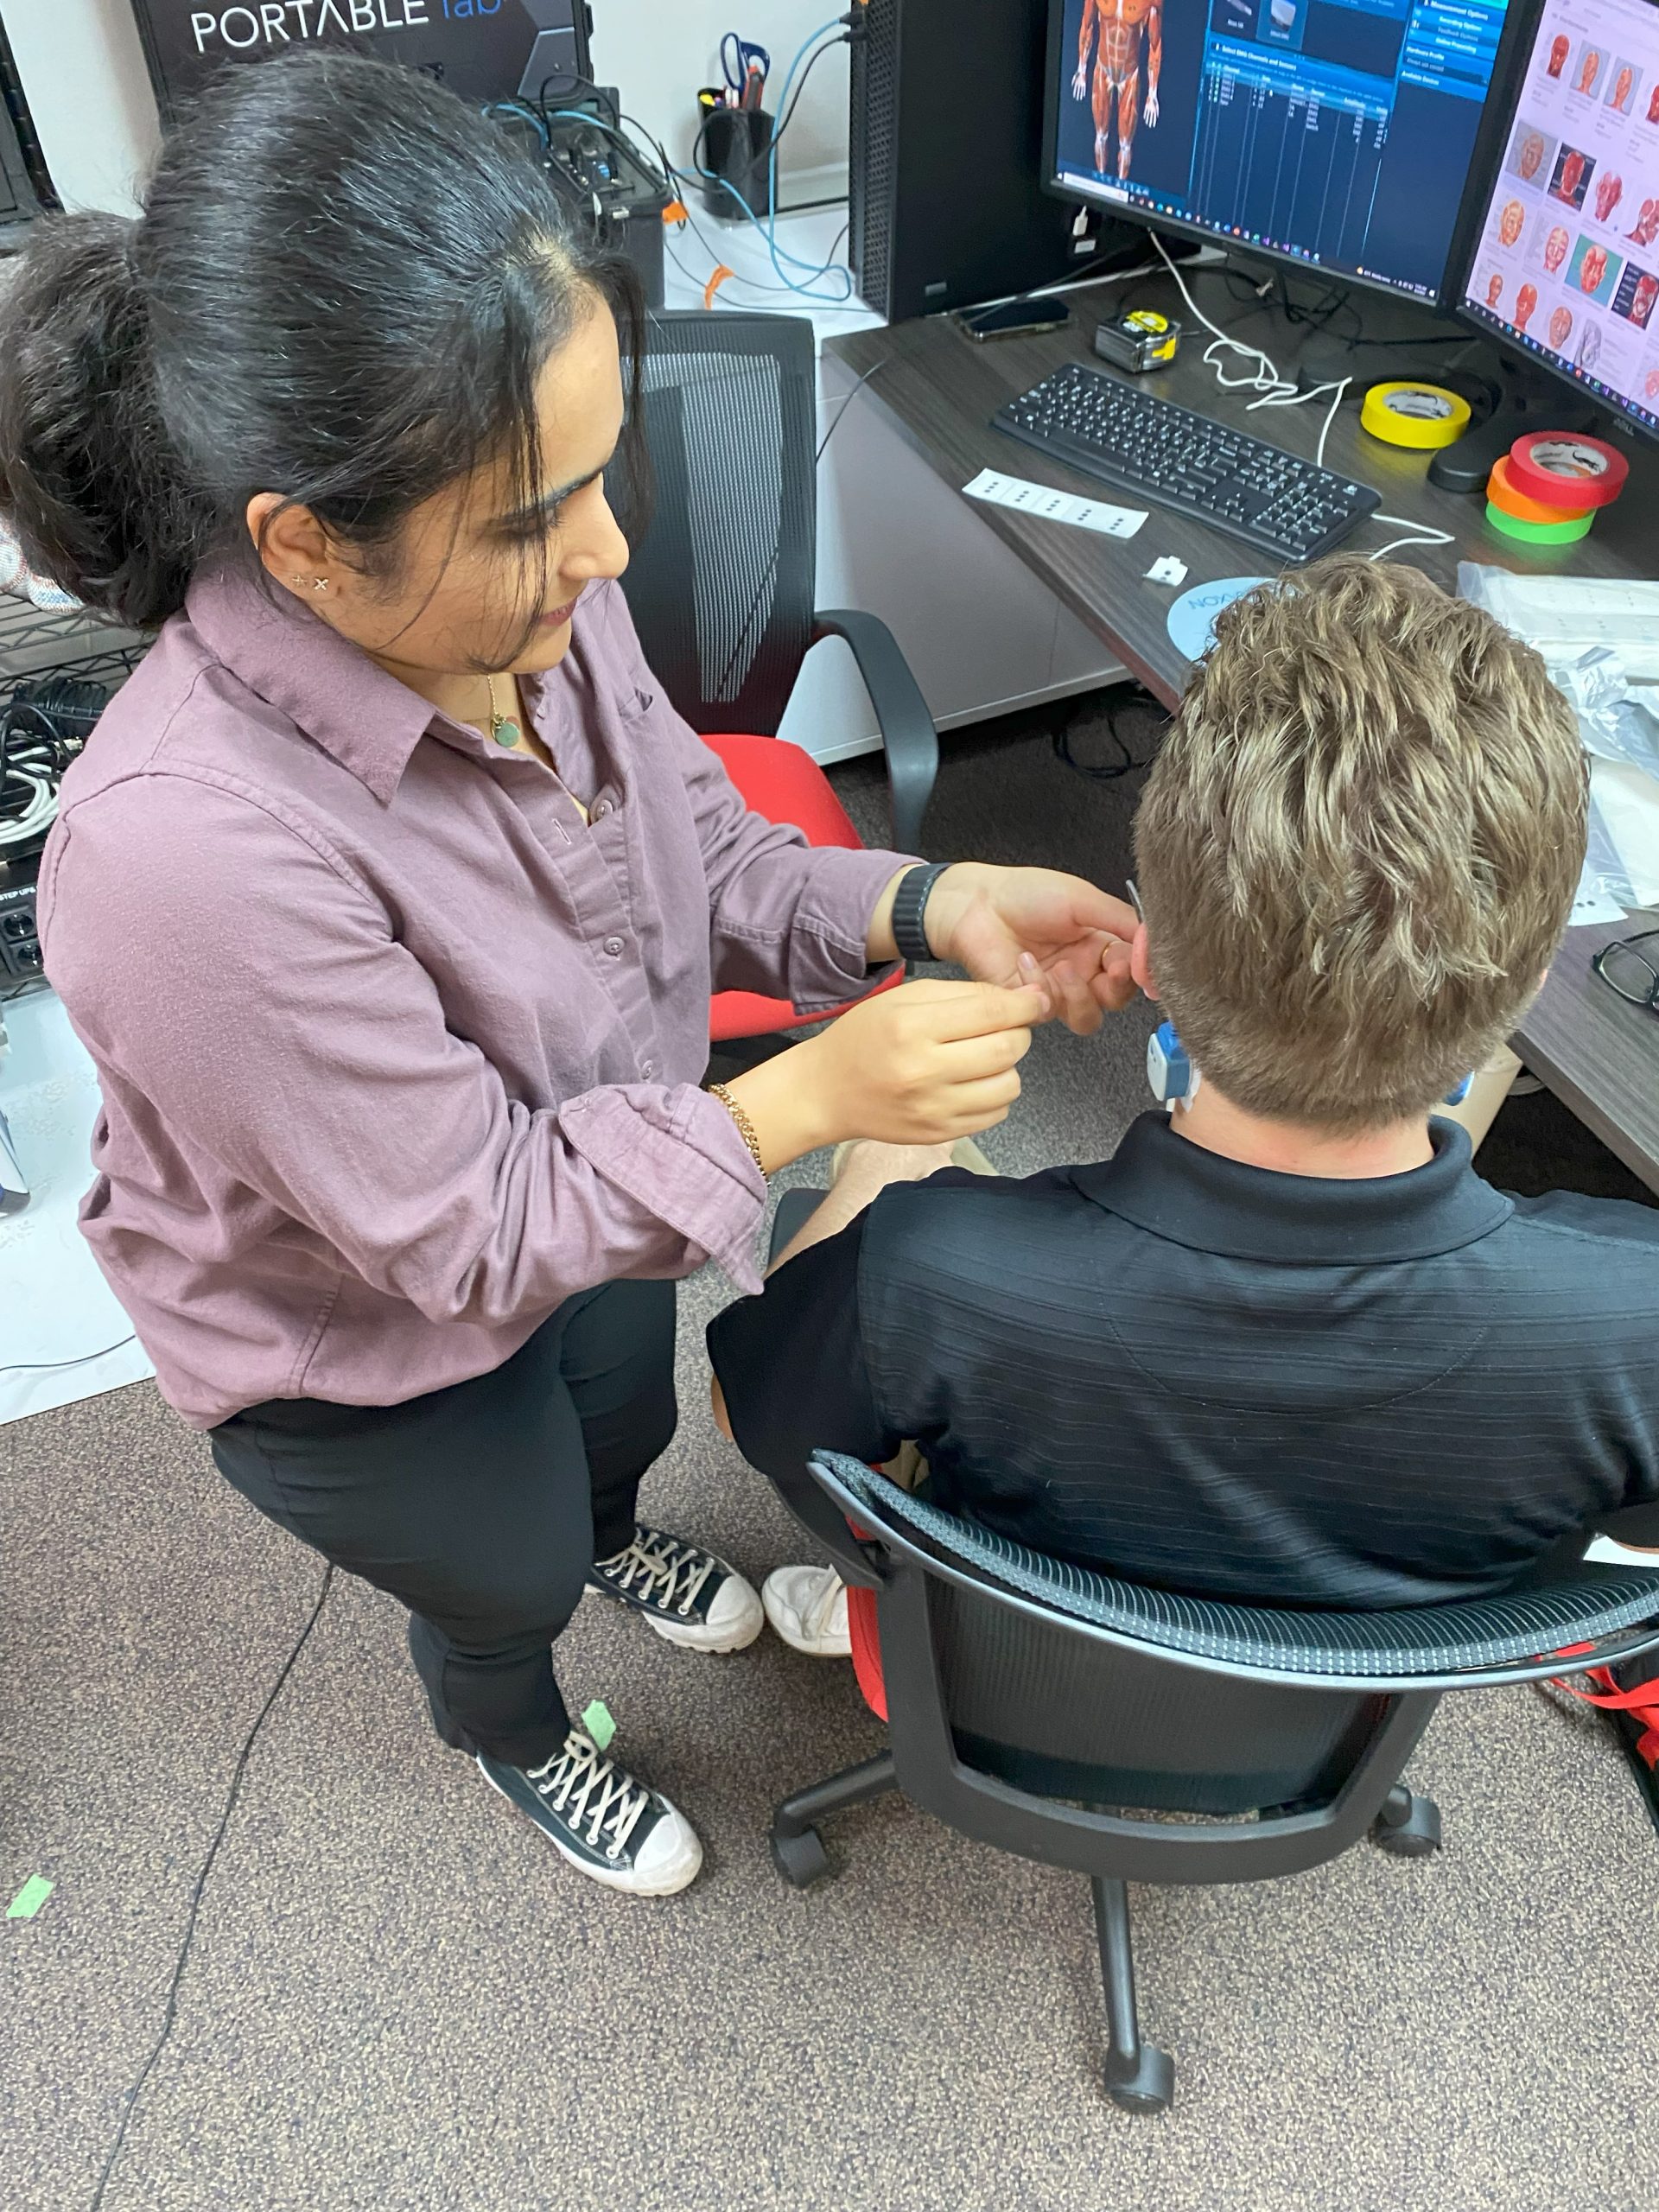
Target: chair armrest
901, 716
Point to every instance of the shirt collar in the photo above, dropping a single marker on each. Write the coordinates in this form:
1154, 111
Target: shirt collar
367, 720
1176, 1190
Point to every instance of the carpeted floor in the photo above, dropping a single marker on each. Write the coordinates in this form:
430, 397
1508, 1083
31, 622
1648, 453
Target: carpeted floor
398, 1998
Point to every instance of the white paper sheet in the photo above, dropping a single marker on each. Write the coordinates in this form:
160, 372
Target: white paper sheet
55, 1305
1054, 507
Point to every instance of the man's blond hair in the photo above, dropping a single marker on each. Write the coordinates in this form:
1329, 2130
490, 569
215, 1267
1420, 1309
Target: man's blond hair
1359, 845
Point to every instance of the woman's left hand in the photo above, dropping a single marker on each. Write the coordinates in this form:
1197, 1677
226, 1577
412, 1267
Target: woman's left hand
995, 922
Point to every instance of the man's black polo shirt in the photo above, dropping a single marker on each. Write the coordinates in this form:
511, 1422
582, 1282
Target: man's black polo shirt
1228, 1381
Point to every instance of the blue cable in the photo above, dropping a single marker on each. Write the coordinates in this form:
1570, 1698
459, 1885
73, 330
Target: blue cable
801, 51
522, 114
767, 229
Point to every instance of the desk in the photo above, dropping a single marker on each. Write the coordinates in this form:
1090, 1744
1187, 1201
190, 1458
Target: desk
940, 390
982, 634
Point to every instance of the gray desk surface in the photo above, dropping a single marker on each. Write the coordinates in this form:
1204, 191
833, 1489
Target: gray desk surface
1600, 1056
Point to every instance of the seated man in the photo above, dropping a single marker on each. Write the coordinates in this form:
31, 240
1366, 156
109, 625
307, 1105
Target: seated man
1284, 1345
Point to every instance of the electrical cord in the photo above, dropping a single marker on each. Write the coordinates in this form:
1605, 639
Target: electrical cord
1423, 533
84, 1359
810, 51
170, 2013
679, 177
43, 727
1115, 700
844, 406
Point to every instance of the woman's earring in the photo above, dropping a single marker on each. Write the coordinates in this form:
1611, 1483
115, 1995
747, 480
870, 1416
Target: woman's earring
317, 583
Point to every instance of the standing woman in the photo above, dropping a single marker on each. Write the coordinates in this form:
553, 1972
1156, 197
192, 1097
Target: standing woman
389, 897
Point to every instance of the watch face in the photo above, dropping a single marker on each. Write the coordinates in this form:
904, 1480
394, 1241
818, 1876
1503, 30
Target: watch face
483, 49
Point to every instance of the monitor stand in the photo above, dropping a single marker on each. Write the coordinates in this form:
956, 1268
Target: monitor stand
1532, 401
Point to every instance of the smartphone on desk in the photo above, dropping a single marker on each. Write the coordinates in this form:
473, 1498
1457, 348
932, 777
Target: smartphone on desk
1014, 319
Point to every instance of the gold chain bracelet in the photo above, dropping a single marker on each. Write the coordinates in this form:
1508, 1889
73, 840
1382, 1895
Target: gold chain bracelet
745, 1126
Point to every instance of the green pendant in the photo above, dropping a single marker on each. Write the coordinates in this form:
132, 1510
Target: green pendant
505, 734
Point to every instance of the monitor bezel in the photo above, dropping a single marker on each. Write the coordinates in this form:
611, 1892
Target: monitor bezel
1471, 217
1062, 188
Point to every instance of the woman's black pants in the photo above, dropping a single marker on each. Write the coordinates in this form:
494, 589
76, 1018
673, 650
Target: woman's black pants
481, 1507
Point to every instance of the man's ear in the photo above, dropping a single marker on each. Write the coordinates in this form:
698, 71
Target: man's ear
1140, 963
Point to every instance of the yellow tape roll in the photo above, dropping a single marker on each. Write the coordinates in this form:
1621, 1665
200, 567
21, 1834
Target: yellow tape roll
1420, 414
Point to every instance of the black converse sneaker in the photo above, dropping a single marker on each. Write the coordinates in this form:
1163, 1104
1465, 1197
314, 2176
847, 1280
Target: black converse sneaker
686, 1593
601, 1819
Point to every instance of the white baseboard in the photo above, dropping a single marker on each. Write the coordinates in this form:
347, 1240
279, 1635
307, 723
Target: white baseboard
851, 748
798, 187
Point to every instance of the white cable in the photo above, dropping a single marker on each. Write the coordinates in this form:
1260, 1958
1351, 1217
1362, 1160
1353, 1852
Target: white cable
1336, 398
1265, 378
42, 809
1424, 534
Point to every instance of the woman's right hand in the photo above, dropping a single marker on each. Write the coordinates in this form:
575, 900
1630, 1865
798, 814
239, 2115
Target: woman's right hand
924, 1064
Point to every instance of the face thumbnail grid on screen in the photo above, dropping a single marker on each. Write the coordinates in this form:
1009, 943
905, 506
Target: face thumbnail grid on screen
1567, 263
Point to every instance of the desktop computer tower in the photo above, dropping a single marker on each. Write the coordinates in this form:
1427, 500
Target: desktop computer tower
945, 150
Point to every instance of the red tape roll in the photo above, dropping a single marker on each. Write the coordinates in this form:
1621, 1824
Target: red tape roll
1501, 492
1563, 469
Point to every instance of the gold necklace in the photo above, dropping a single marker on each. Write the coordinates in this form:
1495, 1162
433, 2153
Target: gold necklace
502, 728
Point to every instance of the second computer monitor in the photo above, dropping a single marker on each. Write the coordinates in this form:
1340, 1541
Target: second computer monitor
1336, 134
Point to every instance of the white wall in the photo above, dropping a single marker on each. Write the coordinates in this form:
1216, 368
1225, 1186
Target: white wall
88, 91
84, 75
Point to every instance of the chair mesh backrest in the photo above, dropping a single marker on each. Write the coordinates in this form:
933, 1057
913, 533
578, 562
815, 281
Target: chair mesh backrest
1505, 1630
722, 584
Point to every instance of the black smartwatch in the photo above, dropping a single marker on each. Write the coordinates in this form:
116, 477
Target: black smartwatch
910, 910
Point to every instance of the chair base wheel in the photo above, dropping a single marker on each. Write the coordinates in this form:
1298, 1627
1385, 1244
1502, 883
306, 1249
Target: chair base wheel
1148, 2086
801, 1860
1413, 1837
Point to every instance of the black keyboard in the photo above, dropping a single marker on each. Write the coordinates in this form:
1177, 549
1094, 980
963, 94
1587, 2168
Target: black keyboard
1114, 430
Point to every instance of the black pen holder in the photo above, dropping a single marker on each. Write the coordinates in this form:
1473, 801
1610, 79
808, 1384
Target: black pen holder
734, 149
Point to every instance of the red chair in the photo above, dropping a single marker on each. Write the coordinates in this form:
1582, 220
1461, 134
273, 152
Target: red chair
721, 587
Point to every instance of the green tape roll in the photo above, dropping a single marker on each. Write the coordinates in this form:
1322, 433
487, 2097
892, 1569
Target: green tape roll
1539, 533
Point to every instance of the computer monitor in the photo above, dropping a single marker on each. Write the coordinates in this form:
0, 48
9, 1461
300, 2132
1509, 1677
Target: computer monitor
1334, 135
1564, 264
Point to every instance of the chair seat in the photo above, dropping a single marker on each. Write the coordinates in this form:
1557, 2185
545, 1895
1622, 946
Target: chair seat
1513, 1626
783, 783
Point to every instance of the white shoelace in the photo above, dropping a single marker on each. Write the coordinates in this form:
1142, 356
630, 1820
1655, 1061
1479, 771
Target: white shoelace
592, 1794
815, 1619
660, 1568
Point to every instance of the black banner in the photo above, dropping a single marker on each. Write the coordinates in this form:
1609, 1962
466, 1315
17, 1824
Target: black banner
483, 49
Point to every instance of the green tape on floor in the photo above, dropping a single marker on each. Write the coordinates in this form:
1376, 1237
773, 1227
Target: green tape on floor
599, 1724
34, 1894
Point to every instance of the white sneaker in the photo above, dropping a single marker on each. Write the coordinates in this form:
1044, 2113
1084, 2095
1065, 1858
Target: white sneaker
807, 1606
691, 1597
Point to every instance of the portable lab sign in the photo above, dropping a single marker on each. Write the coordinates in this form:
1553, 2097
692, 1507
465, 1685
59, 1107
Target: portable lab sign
483, 49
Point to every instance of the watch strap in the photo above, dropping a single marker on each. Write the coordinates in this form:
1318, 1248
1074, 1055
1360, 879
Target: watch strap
910, 910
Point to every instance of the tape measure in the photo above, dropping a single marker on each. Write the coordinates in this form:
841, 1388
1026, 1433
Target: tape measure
1502, 492
1562, 469
1418, 415
1563, 531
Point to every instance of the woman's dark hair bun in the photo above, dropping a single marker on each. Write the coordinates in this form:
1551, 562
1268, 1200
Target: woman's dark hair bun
87, 476
343, 288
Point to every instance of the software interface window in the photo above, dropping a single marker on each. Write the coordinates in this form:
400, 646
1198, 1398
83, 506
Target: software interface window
1568, 261
1339, 131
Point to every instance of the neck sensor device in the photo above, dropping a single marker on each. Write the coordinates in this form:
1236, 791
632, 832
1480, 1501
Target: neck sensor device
1169, 1069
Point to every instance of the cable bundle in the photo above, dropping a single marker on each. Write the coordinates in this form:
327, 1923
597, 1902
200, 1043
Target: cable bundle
42, 728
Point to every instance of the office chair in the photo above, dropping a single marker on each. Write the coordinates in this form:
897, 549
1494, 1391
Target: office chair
1031, 1702
721, 587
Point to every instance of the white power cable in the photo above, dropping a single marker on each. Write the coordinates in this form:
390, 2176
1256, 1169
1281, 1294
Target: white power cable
39, 812
1265, 378
1423, 533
